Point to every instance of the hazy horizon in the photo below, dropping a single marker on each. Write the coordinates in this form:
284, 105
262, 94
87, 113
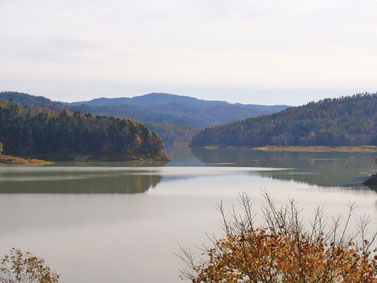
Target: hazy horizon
214, 99
254, 52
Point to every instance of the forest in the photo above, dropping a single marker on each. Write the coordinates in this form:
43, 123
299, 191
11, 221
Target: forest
343, 121
38, 131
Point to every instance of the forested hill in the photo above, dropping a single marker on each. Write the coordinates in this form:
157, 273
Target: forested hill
331, 122
40, 132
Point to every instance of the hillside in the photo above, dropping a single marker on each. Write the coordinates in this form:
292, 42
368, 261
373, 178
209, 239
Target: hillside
174, 118
173, 134
30, 100
176, 110
40, 132
330, 122
157, 122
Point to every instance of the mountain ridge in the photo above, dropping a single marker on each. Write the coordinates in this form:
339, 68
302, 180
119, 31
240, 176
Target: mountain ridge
344, 121
175, 118
169, 98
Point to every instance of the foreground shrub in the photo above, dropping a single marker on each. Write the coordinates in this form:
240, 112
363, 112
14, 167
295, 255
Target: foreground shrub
24, 267
283, 249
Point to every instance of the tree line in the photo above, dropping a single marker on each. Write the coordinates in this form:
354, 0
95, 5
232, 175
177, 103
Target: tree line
37, 131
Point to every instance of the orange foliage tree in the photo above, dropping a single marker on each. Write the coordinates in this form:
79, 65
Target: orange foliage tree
24, 267
283, 249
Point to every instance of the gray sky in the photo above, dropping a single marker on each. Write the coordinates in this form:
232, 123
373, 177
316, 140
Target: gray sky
249, 51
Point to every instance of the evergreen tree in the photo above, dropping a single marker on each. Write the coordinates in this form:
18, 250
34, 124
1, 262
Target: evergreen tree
37, 131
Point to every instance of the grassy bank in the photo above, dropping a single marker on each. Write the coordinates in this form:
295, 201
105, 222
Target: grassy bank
7, 160
365, 148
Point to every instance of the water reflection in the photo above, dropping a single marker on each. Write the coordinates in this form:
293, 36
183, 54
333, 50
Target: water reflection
182, 156
116, 237
76, 181
334, 169
342, 170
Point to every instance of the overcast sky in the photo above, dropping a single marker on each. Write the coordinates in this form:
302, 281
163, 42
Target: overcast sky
249, 51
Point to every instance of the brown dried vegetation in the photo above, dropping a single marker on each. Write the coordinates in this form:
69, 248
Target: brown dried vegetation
24, 267
283, 249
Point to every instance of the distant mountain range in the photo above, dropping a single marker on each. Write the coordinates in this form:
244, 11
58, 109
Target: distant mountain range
170, 109
331, 122
175, 118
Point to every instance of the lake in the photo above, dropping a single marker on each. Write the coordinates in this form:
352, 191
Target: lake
117, 222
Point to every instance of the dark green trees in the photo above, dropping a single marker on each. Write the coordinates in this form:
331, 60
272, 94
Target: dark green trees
42, 132
330, 122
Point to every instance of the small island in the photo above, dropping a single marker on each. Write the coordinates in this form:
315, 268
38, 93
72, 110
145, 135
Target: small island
371, 182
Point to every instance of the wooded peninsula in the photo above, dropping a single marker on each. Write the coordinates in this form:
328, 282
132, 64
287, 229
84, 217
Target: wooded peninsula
49, 134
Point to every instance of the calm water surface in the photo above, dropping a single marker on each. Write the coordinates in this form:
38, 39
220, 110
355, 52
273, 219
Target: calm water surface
109, 222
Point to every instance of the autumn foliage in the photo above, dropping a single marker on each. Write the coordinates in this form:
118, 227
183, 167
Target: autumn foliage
24, 267
283, 250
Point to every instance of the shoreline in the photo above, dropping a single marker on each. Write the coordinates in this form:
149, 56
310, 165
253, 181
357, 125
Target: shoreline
276, 148
8, 160
359, 149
